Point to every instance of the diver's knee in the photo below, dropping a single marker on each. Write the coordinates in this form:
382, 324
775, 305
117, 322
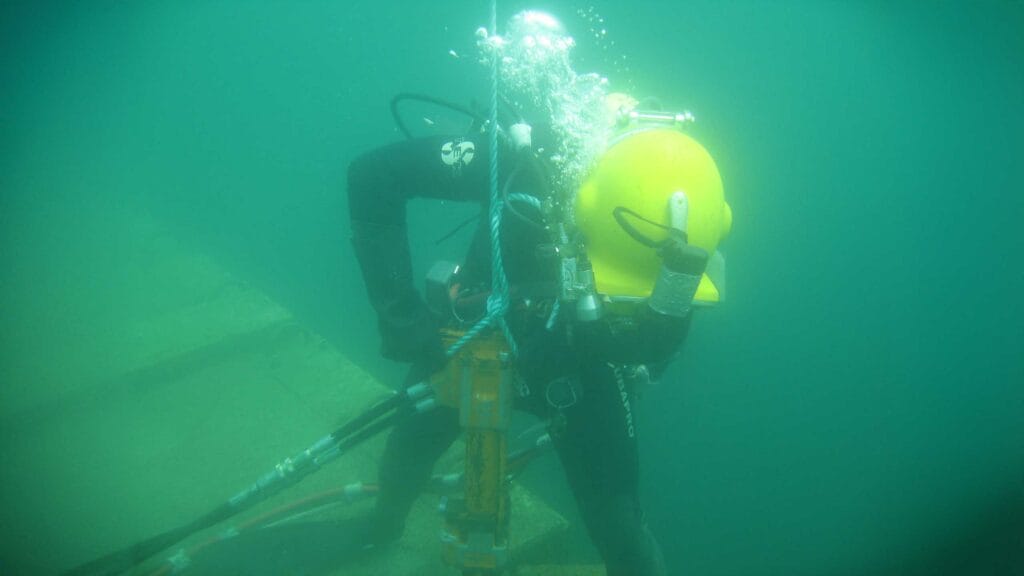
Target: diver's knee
636, 555
626, 544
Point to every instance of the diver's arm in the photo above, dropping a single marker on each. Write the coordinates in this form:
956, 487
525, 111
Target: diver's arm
380, 183
665, 322
659, 328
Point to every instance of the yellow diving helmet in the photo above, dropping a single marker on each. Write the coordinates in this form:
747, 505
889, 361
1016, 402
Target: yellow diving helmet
640, 172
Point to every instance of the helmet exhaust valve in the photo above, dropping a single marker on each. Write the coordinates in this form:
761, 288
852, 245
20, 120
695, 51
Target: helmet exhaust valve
521, 136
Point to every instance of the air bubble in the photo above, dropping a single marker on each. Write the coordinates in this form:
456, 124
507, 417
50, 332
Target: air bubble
537, 68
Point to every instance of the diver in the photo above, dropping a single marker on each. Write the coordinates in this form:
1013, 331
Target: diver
603, 284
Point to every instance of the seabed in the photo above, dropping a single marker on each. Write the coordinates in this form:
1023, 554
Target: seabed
146, 384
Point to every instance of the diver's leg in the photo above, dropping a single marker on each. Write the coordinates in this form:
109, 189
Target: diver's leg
412, 448
598, 449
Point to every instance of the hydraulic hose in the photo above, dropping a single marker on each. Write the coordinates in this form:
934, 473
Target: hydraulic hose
285, 474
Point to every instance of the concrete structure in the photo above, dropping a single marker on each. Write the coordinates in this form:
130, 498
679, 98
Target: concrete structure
143, 384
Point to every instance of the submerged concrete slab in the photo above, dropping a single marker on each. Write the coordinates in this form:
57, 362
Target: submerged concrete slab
94, 293
144, 385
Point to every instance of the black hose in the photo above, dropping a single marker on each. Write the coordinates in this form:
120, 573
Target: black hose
401, 97
126, 559
390, 403
478, 118
352, 433
368, 432
512, 209
457, 228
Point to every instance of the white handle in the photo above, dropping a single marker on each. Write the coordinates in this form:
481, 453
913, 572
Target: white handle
678, 210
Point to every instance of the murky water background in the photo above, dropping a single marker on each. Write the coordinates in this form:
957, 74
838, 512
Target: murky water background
855, 407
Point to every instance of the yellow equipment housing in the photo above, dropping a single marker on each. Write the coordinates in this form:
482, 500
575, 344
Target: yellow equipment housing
640, 171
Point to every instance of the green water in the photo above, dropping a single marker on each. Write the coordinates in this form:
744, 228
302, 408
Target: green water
854, 408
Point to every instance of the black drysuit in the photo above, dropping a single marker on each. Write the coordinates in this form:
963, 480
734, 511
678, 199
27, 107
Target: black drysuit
597, 443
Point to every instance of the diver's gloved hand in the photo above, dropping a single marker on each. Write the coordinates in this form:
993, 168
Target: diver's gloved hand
683, 258
410, 333
681, 271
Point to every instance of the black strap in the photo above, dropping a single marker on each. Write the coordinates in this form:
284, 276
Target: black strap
620, 212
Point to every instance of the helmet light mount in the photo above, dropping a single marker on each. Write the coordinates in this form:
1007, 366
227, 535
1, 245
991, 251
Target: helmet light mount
634, 118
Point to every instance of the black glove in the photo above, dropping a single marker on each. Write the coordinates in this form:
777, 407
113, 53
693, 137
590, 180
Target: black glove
409, 332
684, 258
